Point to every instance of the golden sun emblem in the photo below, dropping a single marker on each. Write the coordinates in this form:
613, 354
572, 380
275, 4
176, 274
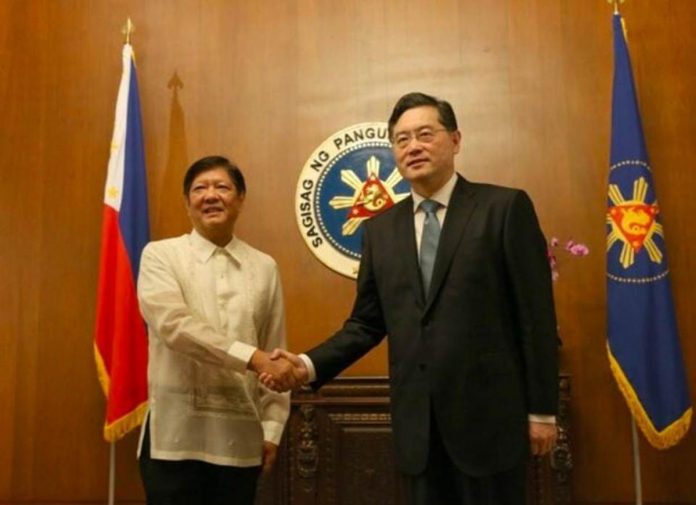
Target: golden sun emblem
370, 196
633, 222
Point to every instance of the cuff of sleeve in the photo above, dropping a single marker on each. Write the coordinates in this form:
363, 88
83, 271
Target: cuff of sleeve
535, 418
272, 431
241, 354
311, 372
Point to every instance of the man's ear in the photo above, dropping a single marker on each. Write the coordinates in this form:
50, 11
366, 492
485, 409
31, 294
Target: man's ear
457, 140
185, 201
242, 199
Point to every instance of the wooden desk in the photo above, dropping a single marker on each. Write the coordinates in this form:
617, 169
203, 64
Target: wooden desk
337, 450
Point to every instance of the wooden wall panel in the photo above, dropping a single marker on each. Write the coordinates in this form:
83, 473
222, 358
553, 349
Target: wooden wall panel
265, 82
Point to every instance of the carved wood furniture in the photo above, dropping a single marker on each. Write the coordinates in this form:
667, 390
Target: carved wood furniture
337, 450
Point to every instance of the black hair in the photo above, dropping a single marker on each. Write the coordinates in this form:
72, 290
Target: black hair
209, 163
415, 99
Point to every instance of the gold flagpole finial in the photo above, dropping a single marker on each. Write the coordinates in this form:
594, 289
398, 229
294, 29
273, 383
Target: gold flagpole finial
616, 4
128, 29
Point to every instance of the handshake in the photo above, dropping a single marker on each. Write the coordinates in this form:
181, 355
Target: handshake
279, 370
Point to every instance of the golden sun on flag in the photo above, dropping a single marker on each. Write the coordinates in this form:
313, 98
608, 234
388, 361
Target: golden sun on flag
633, 222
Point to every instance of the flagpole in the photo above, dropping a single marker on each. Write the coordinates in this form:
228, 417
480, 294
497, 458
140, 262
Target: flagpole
127, 30
636, 463
638, 483
112, 472
616, 4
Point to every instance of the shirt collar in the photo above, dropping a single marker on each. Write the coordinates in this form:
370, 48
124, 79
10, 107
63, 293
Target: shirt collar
204, 249
441, 196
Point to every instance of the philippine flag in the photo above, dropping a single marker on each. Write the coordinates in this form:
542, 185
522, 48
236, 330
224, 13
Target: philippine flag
120, 335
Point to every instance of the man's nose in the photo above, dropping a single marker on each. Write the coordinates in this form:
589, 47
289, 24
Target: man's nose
210, 194
413, 144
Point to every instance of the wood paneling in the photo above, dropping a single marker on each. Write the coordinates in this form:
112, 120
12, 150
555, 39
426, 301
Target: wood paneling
265, 82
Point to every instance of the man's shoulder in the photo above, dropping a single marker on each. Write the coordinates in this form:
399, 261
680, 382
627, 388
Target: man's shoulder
492, 193
165, 253
170, 243
487, 188
169, 250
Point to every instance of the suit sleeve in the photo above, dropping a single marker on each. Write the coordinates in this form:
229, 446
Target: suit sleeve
532, 295
364, 329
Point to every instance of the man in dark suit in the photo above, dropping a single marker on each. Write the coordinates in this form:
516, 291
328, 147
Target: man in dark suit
457, 276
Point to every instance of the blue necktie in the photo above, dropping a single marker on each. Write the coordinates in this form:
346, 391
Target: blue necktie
429, 240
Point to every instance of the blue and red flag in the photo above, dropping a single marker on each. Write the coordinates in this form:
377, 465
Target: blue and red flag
120, 335
643, 341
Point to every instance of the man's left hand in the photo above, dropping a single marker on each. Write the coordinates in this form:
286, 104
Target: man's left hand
270, 451
542, 437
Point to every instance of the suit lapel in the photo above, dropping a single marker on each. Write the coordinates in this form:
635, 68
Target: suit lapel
406, 234
459, 210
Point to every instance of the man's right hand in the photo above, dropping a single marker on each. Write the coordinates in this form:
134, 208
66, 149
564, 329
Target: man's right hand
280, 371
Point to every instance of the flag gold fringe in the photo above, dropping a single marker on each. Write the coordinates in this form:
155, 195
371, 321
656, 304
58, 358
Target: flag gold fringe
118, 429
664, 439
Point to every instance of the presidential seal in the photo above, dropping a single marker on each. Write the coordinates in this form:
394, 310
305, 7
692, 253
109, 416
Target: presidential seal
348, 179
635, 237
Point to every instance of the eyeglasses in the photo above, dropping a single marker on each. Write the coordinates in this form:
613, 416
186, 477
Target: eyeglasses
424, 136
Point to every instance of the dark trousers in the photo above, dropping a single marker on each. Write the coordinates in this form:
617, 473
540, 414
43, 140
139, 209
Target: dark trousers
191, 482
443, 483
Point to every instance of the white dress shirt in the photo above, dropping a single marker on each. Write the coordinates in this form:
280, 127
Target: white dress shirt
441, 196
208, 309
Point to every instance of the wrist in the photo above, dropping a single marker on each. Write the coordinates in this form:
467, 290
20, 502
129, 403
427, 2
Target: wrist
256, 361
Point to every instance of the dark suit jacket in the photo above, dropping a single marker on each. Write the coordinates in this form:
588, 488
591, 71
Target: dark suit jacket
480, 350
